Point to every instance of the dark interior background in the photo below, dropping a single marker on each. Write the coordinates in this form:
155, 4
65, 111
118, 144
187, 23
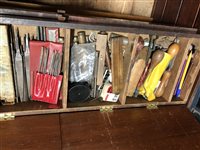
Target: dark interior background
183, 13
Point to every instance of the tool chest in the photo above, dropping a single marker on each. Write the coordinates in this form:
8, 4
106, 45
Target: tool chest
91, 63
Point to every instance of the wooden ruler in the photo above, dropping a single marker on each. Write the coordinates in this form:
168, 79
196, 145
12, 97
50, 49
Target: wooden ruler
117, 64
101, 45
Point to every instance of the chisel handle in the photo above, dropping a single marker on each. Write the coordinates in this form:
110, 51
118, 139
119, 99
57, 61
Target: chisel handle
164, 80
173, 50
156, 59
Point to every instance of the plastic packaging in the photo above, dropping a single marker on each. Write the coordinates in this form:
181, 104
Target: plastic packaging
45, 86
82, 62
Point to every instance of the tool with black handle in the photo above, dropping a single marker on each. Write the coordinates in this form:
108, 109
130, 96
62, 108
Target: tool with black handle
13, 56
152, 46
25, 96
25, 84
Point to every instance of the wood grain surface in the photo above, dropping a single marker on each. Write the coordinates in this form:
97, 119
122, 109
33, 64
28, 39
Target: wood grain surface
41, 132
65, 67
117, 65
185, 13
101, 46
168, 127
171, 127
7, 91
188, 12
191, 76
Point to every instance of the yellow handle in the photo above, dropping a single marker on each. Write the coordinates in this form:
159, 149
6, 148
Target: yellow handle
185, 70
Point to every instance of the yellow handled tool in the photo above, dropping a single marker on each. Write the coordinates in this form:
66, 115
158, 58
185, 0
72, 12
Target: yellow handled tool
173, 50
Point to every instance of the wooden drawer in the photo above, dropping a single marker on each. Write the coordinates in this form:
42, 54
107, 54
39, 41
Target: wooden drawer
128, 29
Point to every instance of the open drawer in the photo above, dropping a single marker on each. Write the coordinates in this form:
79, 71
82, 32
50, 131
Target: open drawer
112, 67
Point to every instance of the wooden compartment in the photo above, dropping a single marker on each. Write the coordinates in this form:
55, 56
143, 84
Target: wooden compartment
131, 31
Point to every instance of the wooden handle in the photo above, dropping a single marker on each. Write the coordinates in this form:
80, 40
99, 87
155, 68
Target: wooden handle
137, 71
156, 59
108, 61
173, 50
161, 88
101, 46
137, 46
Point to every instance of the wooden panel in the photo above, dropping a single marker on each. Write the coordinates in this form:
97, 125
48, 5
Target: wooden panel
88, 4
102, 5
142, 7
176, 70
7, 87
188, 13
171, 11
115, 6
192, 102
40, 132
191, 76
177, 12
134, 7
65, 67
158, 8
131, 129
197, 21
117, 65
121, 129
85, 131
127, 6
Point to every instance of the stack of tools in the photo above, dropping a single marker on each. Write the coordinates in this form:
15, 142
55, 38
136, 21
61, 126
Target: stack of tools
47, 34
122, 66
191, 75
112, 51
131, 77
150, 68
91, 67
189, 72
45, 64
20, 54
154, 85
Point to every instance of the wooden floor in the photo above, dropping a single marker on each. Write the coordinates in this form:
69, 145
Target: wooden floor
169, 127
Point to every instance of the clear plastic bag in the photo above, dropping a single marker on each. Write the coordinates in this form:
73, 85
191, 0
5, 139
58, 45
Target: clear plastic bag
82, 62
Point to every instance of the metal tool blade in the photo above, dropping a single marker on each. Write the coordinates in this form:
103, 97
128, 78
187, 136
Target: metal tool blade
41, 59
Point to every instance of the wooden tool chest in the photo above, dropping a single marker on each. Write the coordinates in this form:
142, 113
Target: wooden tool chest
120, 49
